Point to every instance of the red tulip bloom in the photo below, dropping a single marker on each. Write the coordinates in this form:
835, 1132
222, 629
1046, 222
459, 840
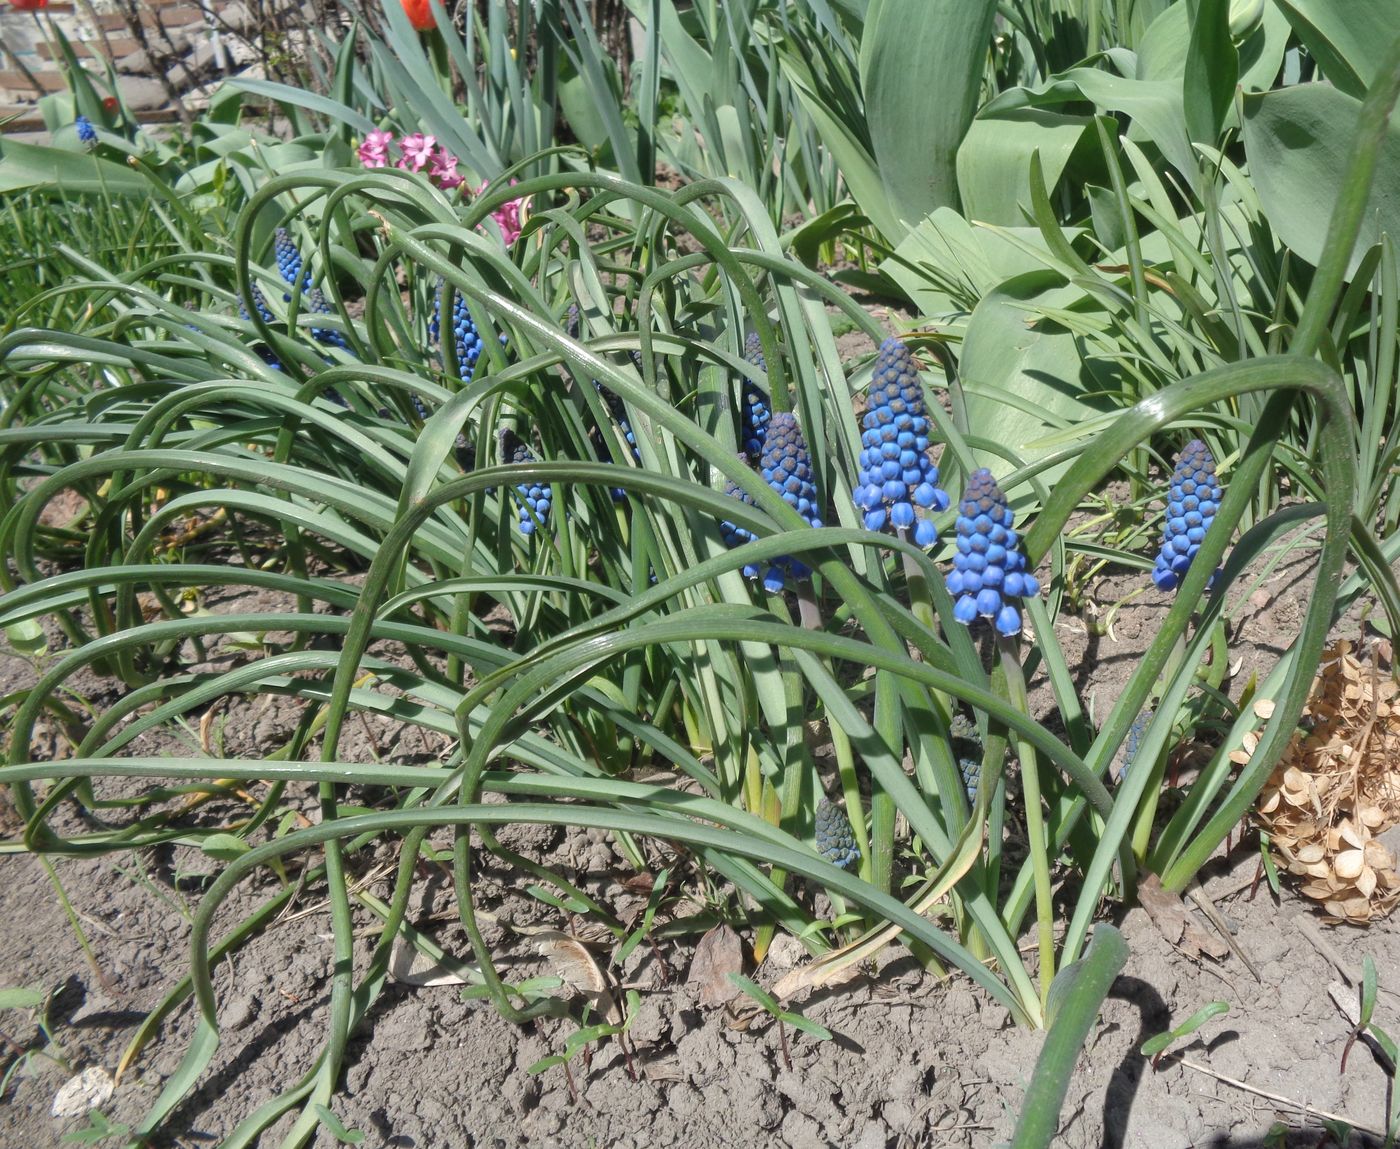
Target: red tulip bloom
30, 5
419, 13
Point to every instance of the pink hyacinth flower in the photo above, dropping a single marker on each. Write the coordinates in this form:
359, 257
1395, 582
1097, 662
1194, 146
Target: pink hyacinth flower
417, 151
374, 151
443, 170
507, 216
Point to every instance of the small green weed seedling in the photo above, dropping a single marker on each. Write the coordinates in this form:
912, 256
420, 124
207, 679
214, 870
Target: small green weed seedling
97, 1130
1382, 1045
1155, 1047
583, 1037
37, 999
766, 1000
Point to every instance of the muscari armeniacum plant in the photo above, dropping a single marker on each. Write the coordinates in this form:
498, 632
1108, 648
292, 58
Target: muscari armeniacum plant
836, 841
786, 466
897, 478
1192, 500
989, 570
757, 413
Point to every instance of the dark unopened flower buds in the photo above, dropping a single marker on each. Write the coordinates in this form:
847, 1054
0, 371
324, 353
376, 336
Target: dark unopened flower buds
735, 535
836, 841
988, 567
757, 414
1193, 498
897, 478
787, 468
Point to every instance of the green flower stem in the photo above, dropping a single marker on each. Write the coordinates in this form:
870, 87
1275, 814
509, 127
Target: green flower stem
1040, 856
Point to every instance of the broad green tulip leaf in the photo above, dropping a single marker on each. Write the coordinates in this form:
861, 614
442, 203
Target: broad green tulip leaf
946, 264
1212, 68
24, 166
1023, 374
1155, 107
1348, 38
1164, 49
579, 104
993, 174
914, 94
1297, 140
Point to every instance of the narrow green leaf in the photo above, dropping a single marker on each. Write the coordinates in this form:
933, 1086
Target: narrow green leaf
1155, 1045
30, 998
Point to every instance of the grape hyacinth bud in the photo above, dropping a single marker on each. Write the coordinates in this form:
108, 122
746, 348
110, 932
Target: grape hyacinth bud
967, 749
1193, 498
265, 314
535, 497
897, 478
259, 303
292, 267
787, 468
1134, 744
971, 770
86, 132
988, 568
466, 338
836, 841
756, 411
316, 304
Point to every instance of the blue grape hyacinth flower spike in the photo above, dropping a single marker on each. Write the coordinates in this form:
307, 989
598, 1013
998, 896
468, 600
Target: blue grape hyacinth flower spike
897, 478
989, 569
757, 414
265, 314
86, 132
836, 841
535, 498
290, 265
733, 534
466, 339
1192, 501
787, 468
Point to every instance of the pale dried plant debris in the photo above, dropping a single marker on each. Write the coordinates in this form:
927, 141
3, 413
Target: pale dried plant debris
1336, 789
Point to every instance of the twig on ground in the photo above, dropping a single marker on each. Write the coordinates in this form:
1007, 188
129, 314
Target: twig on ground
1207, 907
1313, 932
1279, 1099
